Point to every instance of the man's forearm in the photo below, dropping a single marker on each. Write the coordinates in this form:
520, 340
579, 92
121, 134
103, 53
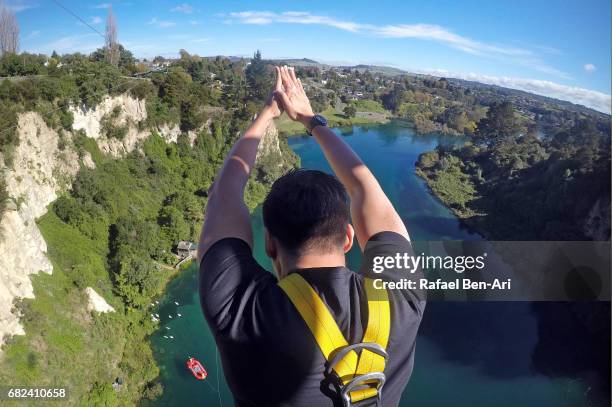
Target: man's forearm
347, 166
226, 212
371, 210
234, 174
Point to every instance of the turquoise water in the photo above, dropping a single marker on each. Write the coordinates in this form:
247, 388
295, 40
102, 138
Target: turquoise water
468, 354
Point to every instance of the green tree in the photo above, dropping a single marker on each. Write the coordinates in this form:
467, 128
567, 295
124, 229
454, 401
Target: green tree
500, 123
350, 111
173, 225
394, 98
258, 77
103, 395
175, 87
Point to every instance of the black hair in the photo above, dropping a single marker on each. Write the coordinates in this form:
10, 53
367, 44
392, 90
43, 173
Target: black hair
307, 209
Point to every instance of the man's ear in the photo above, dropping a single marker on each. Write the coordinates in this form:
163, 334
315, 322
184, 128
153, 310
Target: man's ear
349, 238
271, 249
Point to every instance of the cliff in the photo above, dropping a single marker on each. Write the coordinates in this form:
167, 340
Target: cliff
122, 111
37, 175
44, 164
269, 144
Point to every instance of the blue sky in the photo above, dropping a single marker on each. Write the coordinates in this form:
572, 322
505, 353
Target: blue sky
560, 49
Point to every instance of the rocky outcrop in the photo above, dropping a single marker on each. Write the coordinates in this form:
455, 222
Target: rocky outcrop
39, 170
169, 133
269, 144
122, 110
95, 302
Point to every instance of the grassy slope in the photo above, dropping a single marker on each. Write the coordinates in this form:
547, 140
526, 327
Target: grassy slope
63, 340
368, 112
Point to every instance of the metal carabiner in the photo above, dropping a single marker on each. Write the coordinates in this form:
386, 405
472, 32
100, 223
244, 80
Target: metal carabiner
379, 377
346, 389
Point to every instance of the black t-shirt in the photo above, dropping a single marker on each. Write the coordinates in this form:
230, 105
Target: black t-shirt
269, 355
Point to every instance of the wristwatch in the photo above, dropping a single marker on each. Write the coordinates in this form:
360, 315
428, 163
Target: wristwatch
317, 120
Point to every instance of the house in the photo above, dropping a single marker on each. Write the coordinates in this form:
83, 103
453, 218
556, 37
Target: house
186, 249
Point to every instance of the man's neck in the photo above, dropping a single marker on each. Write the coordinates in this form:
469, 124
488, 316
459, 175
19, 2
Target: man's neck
313, 260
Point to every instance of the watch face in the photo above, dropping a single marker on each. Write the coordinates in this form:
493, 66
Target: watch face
320, 120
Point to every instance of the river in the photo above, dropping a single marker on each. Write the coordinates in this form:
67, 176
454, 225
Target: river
468, 354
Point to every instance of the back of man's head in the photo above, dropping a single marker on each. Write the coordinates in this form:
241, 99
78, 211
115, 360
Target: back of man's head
307, 210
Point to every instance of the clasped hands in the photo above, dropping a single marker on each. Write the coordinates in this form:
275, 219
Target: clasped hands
288, 95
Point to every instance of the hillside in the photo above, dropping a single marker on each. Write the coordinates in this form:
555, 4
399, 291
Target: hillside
101, 183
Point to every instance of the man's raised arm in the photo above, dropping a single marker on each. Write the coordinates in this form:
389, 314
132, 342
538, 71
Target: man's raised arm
371, 210
226, 213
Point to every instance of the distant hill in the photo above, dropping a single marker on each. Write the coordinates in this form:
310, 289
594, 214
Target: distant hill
521, 98
381, 70
298, 62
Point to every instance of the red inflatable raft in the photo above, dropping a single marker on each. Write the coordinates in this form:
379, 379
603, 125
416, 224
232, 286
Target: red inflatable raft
196, 368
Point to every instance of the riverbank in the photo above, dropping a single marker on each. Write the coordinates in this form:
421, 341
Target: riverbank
335, 118
450, 189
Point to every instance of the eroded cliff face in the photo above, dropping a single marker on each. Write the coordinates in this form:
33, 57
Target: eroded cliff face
269, 144
41, 168
130, 113
125, 111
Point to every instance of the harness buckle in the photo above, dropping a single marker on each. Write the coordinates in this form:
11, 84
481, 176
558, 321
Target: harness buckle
360, 382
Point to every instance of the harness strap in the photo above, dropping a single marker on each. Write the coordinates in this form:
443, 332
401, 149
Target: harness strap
377, 330
329, 337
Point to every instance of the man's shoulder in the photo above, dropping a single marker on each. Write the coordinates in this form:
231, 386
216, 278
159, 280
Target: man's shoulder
228, 246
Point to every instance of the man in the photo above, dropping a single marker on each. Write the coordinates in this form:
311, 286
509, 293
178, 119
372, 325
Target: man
271, 355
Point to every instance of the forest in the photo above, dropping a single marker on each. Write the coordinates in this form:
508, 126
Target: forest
511, 184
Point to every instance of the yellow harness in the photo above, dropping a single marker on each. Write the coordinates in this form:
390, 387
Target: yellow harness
358, 376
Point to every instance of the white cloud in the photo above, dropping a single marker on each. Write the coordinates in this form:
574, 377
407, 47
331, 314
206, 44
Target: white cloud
19, 5
161, 23
294, 17
590, 68
182, 8
101, 5
201, 40
96, 20
428, 32
586, 97
440, 34
194, 22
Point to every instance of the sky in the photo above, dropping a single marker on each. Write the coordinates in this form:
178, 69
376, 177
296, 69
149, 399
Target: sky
554, 48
